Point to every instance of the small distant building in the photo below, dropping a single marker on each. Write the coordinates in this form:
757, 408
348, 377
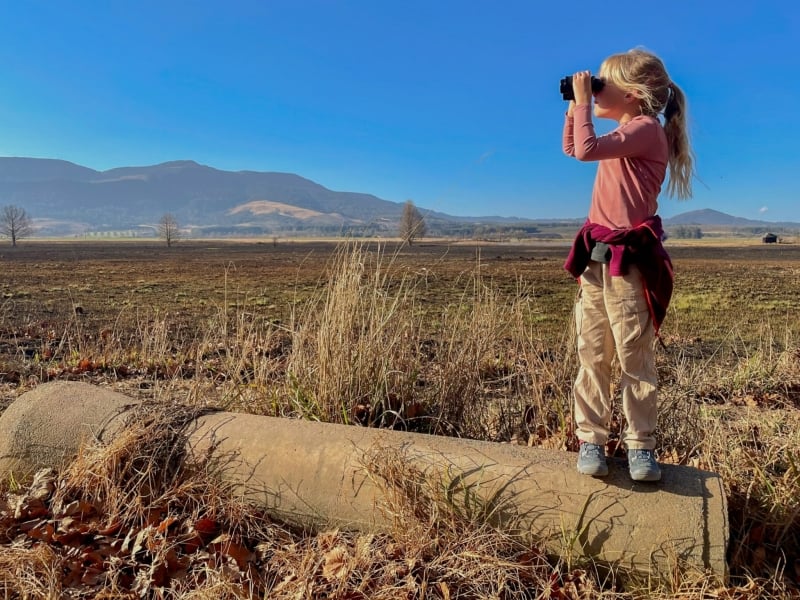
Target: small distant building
770, 238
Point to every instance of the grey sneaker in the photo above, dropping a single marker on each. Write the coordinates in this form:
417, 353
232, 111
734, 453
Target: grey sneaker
643, 466
592, 460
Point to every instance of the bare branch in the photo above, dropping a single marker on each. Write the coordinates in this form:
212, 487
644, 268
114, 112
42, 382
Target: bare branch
168, 229
412, 225
15, 223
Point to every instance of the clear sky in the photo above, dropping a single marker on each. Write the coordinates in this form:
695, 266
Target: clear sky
452, 104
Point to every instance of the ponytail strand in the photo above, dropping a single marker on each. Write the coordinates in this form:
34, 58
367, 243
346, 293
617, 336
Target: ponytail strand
681, 158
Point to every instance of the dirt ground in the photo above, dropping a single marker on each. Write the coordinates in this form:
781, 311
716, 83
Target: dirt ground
49, 287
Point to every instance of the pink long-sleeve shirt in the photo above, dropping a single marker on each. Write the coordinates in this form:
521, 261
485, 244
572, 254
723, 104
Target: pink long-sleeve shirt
632, 166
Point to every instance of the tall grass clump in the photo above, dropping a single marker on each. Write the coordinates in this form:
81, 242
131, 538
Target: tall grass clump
353, 355
364, 350
753, 442
469, 358
547, 365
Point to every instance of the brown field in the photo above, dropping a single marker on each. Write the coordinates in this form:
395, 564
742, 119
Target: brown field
450, 338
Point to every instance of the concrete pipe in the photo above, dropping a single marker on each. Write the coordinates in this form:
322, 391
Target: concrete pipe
313, 474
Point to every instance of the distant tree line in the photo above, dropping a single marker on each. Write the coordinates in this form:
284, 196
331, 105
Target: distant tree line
686, 232
762, 230
371, 230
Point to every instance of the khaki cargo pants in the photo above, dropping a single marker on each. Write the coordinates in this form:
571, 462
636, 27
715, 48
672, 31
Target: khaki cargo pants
611, 313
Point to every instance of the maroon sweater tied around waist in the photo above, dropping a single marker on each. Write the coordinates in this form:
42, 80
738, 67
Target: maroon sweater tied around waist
639, 246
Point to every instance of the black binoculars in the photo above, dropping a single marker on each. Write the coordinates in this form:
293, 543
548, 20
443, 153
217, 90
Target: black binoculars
569, 94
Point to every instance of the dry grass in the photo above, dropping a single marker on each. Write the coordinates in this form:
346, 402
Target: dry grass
191, 538
30, 572
353, 357
365, 344
84, 535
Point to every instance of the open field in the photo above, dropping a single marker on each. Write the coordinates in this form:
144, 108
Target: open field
449, 338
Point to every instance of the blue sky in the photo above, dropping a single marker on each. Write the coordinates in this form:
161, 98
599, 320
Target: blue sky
452, 104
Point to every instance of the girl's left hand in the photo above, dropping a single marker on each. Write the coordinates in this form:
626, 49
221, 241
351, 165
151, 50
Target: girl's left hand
582, 87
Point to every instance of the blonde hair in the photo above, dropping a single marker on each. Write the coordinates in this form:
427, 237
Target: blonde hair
642, 73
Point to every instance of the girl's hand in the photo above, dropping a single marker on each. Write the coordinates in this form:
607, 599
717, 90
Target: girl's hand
582, 87
571, 108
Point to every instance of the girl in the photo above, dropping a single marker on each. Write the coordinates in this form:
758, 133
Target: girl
624, 271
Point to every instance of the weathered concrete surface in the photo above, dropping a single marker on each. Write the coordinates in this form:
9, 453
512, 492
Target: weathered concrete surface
46, 426
313, 473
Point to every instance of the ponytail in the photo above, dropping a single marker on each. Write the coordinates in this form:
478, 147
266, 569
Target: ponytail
681, 158
644, 74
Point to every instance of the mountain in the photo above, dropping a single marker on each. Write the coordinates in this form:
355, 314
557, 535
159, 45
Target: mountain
709, 217
64, 198
67, 196
20, 170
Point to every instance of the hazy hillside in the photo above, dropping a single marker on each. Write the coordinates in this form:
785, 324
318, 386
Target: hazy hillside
22, 170
199, 196
709, 217
64, 199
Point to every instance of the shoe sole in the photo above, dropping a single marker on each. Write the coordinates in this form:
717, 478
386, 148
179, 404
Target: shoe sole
594, 473
646, 477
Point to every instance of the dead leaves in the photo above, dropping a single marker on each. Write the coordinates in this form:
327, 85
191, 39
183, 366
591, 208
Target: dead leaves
575, 585
94, 556
91, 551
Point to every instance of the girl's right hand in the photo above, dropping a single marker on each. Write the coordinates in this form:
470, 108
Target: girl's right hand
571, 108
582, 87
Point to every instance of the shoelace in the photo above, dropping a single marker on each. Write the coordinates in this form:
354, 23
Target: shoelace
643, 455
590, 450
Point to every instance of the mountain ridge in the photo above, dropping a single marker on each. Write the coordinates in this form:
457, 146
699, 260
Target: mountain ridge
711, 217
198, 195
65, 197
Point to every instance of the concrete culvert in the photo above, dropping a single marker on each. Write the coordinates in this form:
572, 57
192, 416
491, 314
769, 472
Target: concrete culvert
324, 475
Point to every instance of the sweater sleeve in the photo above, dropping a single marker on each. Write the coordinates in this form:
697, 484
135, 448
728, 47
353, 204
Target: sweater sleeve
630, 139
567, 137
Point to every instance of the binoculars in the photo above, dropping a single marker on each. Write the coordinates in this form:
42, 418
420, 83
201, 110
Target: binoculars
569, 94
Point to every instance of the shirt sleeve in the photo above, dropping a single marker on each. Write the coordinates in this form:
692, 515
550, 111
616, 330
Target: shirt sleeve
630, 139
568, 140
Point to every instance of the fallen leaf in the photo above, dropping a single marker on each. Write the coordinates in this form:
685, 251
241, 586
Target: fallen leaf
239, 553
93, 576
110, 529
142, 540
78, 507
206, 526
43, 531
414, 410
336, 564
191, 542
166, 524
43, 484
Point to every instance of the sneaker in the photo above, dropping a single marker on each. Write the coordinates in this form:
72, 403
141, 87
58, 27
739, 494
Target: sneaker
592, 460
643, 466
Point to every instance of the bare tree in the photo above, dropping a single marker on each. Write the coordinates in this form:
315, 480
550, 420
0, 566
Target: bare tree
15, 223
412, 225
168, 229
